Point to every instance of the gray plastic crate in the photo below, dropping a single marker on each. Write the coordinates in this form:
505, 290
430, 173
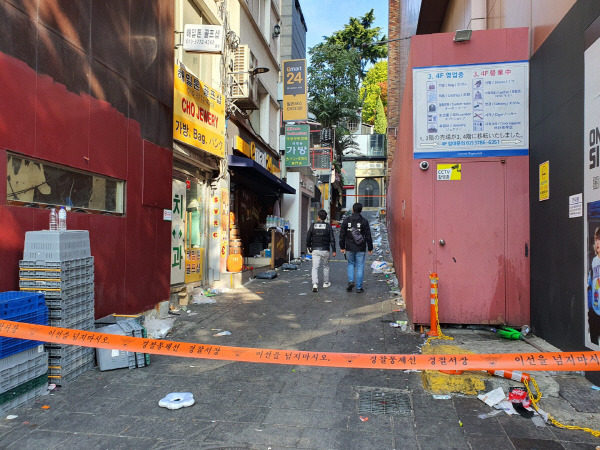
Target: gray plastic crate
61, 350
21, 367
131, 327
60, 283
33, 264
109, 359
84, 325
66, 359
63, 379
65, 303
72, 321
71, 310
49, 245
78, 360
63, 293
55, 274
24, 398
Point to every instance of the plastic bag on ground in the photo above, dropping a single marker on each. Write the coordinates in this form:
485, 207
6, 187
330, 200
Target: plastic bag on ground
379, 266
158, 328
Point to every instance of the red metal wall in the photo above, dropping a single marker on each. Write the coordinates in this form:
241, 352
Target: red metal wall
41, 118
410, 195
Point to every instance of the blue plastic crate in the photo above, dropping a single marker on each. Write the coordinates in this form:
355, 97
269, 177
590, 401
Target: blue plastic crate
10, 346
14, 304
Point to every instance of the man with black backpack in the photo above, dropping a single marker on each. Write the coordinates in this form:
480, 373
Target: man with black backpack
355, 240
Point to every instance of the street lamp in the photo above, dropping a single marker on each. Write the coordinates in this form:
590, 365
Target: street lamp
259, 70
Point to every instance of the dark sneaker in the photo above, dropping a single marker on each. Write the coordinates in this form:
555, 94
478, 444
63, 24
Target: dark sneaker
359, 290
350, 286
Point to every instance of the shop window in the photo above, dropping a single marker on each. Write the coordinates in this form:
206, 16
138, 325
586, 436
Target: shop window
37, 183
196, 217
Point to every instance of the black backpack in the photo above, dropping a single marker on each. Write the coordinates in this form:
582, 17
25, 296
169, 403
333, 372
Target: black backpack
357, 236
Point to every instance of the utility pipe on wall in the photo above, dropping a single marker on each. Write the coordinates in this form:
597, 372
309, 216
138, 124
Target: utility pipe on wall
478, 15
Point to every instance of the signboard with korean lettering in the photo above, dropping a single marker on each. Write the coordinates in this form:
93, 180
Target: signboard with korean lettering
295, 104
590, 302
198, 114
177, 233
544, 181
448, 172
297, 145
203, 38
471, 110
257, 154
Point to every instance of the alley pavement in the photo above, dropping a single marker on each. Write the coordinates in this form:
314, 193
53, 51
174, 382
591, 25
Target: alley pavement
242, 405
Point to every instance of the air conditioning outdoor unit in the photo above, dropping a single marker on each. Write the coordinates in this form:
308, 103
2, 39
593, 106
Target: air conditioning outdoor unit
242, 84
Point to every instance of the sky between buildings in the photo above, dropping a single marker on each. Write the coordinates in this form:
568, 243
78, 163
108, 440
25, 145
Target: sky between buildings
324, 17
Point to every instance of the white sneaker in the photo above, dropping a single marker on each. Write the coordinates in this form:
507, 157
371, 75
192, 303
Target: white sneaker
315, 287
326, 285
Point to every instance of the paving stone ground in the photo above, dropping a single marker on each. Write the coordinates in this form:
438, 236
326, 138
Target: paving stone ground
263, 406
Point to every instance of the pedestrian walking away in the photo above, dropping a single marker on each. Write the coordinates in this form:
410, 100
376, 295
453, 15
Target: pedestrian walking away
320, 241
355, 240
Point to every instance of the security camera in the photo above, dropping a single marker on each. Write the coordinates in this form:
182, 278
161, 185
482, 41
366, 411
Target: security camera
424, 165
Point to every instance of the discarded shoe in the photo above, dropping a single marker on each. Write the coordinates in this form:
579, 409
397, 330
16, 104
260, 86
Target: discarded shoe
359, 290
350, 286
327, 284
315, 287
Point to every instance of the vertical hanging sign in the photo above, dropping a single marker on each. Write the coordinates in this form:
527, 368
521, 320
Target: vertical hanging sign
295, 105
224, 229
296, 145
591, 187
177, 233
544, 179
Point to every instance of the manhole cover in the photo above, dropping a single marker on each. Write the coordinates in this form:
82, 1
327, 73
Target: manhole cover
578, 392
383, 402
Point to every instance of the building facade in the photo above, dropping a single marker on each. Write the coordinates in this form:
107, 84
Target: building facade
560, 42
87, 109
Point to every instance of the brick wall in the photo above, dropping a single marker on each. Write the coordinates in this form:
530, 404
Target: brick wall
403, 19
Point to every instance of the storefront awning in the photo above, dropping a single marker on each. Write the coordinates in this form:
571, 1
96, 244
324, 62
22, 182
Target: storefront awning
247, 172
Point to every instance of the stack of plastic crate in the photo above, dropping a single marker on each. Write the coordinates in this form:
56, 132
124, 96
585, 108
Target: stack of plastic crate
23, 363
117, 359
59, 264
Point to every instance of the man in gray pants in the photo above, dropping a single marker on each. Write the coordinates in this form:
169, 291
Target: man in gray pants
319, 240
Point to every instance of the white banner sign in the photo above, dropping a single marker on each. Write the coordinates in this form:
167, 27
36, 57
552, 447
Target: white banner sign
203, 38
471, 110
177, 230
591, 194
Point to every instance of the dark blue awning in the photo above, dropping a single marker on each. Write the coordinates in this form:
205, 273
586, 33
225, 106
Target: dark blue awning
247, 172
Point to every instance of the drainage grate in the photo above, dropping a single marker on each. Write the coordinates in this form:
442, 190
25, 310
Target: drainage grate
384, 402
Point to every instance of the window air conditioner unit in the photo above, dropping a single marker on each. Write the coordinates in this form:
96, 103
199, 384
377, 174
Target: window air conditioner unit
242, 84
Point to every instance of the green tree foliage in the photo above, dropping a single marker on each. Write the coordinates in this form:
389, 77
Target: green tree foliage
374, 87
333, 83
380, 118
358, 34
337, 68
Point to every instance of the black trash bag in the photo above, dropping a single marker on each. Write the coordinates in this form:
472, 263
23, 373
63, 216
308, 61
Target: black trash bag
268, 275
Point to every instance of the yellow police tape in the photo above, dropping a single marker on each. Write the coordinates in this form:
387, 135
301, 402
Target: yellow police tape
558, 361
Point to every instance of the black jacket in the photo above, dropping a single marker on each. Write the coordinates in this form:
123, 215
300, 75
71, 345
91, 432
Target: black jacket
320, 237
346, 241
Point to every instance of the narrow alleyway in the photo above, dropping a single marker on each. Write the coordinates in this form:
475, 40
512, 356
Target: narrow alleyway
263, 406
